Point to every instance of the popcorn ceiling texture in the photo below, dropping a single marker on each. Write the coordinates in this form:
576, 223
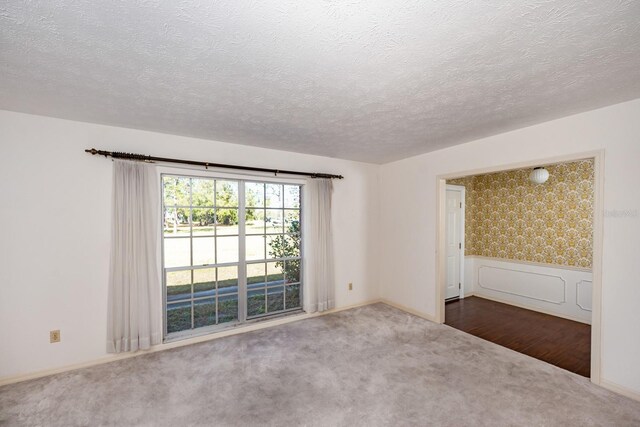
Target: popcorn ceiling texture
373, 81
509, 217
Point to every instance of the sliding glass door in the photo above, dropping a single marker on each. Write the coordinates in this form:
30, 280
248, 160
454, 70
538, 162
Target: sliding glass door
231, 251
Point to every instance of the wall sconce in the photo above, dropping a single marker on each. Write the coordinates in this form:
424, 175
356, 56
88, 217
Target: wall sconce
539, 175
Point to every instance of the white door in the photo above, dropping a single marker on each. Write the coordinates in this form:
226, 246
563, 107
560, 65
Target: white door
454, 242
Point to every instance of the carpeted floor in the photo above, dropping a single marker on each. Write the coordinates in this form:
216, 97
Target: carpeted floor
368, 366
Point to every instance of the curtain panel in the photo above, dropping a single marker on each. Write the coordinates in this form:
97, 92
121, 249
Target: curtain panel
134, 317
320, 289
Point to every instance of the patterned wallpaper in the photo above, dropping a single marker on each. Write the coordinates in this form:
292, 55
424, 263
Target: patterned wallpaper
509, 217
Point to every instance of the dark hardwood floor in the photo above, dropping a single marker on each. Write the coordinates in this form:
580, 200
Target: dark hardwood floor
555, 340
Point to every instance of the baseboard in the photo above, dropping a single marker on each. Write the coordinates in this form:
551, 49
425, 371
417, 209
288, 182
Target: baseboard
528, 307
409, 310
631, 394
175, 344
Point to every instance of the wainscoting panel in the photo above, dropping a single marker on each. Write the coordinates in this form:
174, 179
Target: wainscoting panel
557, 290
583, 294
528, 284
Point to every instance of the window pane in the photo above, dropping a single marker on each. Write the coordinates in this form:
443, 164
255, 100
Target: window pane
177, 252
178, 316
227, 249
274, 246
228, 308
226, 193
204, 250
204, 282
291, 196
292, 245
274, 196
283, 246
292, 221
275, 273
227, 221
203, 221
204, 312
176, 222
292, 271
292, 295
254, 247
202, 192
256, 303
275, 299
255, 275
184, 218
228, 277
178, 285
273, 220
254, 194
176, 191
254, 221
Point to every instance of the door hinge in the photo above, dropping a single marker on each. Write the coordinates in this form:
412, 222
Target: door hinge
459, 245
460, 205
459, 285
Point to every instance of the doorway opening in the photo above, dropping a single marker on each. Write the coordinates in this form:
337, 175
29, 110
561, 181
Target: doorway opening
455, 237
526, 257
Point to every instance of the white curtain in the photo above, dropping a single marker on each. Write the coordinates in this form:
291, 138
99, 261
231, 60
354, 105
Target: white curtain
134, 318
320, 289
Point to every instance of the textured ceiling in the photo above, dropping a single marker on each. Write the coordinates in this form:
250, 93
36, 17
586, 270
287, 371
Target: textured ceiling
365, 80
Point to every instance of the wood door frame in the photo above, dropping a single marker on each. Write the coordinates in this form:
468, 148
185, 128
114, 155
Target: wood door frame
463, 192
598, 230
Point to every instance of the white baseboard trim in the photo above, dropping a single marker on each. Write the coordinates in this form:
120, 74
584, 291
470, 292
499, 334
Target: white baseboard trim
527, 307
631, 394
409, 310
181, 343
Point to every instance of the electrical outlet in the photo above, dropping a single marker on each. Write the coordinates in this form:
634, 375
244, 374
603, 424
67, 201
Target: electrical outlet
54, 336
350, 286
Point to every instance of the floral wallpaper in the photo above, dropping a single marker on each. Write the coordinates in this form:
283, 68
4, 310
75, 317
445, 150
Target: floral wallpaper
509, 217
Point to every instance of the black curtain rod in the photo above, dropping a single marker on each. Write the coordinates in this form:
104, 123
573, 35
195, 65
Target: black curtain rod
152, 159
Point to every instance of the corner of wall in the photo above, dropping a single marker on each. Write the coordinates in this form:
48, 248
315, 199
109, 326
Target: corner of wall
377, 261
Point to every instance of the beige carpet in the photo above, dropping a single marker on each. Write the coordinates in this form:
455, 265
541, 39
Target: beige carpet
369, 366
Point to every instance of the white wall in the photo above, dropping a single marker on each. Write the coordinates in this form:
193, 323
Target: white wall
558, 290
408, 207
55, 216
